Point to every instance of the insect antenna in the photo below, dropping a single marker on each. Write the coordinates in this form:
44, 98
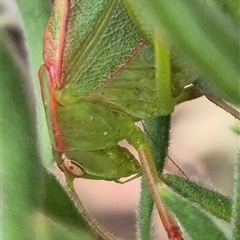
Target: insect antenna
169, 157
177, 166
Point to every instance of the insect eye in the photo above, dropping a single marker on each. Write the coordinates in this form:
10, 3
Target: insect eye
73, 168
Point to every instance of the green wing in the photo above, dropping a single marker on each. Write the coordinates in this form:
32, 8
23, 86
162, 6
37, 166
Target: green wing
96, 43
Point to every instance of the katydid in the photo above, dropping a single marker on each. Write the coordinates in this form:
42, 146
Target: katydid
97, 80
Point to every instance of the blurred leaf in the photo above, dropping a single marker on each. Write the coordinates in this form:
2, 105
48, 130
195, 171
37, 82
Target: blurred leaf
201, 31
232, 7
50, 229
35, 15
58, 206
20, 166
236, 203
28, 190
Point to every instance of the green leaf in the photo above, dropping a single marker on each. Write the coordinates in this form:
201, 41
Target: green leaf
50, 229
32, 198
33, 32
58, 206
195, 222
231, 7
211, 201
19, 158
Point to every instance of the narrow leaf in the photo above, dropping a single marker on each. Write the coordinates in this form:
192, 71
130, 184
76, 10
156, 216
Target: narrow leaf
194, 221
19, 164
33, 34
211, 201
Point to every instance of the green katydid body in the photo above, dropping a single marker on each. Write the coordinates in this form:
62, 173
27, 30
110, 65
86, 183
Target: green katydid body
96, 89
97, 80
